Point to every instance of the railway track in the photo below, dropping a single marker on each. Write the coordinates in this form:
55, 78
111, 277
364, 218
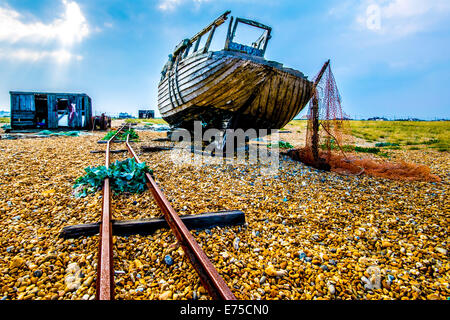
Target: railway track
209, 277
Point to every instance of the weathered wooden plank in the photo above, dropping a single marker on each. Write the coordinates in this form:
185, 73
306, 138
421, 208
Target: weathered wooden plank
195, 75
114, 141
291, 102
148, 226
273, 96
210, 81
111, 151
295, 107
155, 148
205, 87
164, 100
281, 98
187, 67
192, 63
203, 80
227, 90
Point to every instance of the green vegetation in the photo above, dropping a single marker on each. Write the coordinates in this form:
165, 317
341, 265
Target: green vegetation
285, 145
282, 145
122, 135
127, 176
5, 120
435, 134
397, 134
147, 121
350, 148
63, 133
386, 144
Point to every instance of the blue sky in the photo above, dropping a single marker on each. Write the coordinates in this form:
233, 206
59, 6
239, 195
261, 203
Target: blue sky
390, 57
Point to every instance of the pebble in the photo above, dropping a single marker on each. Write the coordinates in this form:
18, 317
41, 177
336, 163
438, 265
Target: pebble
331, 289
37, 273
373, 281
236, 243
168, 260
376, 219
271, 271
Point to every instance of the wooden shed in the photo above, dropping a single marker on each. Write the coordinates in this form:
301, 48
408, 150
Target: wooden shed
146, 114
32, 110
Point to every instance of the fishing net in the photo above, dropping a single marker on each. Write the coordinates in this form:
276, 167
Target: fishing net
328, 132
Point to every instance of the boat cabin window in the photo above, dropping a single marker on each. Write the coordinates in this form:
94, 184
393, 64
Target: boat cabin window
248, 35
251, 37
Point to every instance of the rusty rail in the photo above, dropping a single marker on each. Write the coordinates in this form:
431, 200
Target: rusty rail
105, 268
209, 276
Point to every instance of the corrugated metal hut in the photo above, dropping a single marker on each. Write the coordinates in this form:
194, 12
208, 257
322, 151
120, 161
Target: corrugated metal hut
31, 110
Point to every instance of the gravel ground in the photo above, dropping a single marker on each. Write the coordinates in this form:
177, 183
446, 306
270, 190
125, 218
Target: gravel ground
309, 234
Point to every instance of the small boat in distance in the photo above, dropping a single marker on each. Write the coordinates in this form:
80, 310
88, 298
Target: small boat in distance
232, 88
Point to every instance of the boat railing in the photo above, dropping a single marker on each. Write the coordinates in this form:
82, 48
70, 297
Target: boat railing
185, 46
183, 49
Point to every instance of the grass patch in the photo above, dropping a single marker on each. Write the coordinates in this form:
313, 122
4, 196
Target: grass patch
123, 135
386, 144
373, 150
282, 145
146, 121
5, 120
351, 148
429, 134
435, 134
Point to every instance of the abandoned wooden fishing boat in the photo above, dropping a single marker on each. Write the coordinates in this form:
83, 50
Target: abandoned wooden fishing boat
231, 88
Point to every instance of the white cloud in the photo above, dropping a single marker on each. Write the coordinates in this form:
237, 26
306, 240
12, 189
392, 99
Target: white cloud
60, 34
29, 55
170, 5
402, 17
70, 28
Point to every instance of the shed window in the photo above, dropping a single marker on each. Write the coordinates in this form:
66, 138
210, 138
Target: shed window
62, 104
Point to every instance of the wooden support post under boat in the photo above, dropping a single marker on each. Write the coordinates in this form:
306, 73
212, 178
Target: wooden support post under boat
148, 226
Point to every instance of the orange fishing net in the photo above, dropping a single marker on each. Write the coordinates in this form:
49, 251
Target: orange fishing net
323, 149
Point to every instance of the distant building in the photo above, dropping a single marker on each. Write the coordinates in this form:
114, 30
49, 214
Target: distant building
5, 114
408, 119
377, 119
124, 115
146, 114
50, 110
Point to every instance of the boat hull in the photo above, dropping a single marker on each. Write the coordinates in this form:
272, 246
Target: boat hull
226, 89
